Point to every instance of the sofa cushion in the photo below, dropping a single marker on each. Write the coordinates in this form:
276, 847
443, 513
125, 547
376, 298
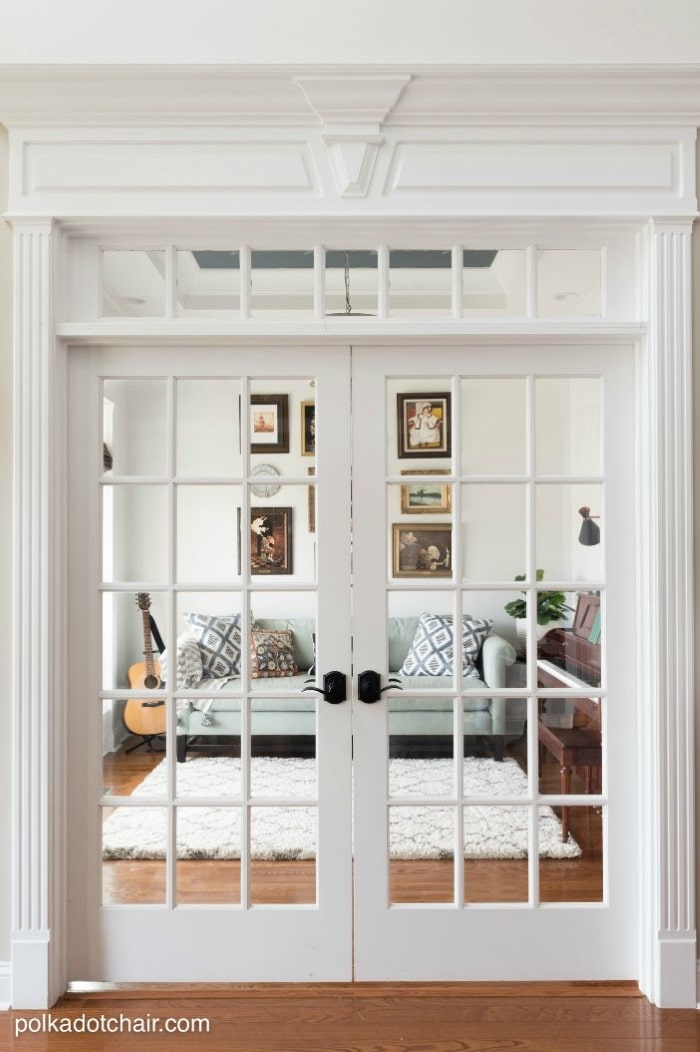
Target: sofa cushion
432, 650
272, 653
401, 631
407, 703
219, 639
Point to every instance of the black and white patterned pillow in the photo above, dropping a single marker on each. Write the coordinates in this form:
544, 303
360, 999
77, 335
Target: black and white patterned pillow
219, 639
432, 650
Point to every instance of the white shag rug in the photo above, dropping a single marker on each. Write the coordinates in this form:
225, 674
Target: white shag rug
284, 832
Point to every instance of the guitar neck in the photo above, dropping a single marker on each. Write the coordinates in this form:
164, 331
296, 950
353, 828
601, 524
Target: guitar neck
148, 643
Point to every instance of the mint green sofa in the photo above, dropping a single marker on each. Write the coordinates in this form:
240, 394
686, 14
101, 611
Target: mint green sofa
203, 716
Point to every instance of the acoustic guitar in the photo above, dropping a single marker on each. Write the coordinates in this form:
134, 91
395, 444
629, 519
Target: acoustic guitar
146, 718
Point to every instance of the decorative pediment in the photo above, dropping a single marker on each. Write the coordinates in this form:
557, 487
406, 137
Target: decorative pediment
352, 110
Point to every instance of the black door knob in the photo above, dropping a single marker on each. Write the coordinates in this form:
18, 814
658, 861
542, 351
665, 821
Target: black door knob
370, 689
334, 688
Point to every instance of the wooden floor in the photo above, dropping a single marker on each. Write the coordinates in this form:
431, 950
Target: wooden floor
450, 1017
363, 1017
493, 880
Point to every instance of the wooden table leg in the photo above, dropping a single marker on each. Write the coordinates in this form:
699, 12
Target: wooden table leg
565, 785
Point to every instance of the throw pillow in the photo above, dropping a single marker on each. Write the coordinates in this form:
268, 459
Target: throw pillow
219, 639
272, 653
432, 649
189, 662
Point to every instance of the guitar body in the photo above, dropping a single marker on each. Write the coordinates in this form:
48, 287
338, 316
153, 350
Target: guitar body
142, 716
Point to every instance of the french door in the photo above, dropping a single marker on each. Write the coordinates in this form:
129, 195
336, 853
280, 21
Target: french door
468, 811
191, 490
462, 871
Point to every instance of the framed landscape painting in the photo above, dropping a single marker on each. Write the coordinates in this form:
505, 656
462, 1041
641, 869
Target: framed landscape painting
429, 497
269, 423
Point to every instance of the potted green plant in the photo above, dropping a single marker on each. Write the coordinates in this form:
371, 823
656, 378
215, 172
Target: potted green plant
551, 606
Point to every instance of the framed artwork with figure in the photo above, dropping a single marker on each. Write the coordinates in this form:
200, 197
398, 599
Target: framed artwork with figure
308, 429
420, 550
424, 425
271, 541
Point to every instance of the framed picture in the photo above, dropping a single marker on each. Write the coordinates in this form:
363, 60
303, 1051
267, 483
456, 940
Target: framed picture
308, 429
271, 541
420, 550
420, 498
424, 425
311, 492
269, 423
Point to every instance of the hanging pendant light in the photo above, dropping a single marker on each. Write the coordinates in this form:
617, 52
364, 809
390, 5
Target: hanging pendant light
348, 312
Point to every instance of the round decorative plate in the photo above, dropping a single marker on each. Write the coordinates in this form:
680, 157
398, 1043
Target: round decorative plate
266, 473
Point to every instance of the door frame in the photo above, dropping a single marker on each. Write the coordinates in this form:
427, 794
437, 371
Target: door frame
664, 615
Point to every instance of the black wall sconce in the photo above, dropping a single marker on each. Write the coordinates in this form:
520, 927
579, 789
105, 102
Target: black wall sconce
590, 530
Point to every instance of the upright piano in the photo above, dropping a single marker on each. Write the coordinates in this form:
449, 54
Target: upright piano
572, 654
567, 659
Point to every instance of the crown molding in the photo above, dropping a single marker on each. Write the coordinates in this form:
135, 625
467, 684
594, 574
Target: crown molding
372, 96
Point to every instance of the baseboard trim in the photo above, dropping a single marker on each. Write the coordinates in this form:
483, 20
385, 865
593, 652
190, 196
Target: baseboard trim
5, 985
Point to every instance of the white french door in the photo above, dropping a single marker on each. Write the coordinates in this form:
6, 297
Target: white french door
430, 825
494, 865
173, 452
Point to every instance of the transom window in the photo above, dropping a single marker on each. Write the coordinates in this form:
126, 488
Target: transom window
244, 282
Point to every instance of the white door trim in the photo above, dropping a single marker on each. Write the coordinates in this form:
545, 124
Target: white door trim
665, 627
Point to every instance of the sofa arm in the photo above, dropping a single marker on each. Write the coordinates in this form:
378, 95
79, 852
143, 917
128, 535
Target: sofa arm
497, 655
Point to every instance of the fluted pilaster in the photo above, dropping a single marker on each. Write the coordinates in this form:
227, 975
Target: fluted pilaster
666, 627
34, 875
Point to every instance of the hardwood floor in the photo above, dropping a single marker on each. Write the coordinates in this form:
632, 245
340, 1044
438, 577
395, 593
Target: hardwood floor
492, 880
363, 1017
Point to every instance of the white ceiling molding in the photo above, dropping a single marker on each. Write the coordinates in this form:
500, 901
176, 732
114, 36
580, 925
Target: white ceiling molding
284, 96
353, 98
353, 110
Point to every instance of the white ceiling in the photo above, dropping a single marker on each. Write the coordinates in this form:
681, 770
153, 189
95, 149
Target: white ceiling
364, 31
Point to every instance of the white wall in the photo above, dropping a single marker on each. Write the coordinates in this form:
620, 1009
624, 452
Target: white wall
323, 31
5, 555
